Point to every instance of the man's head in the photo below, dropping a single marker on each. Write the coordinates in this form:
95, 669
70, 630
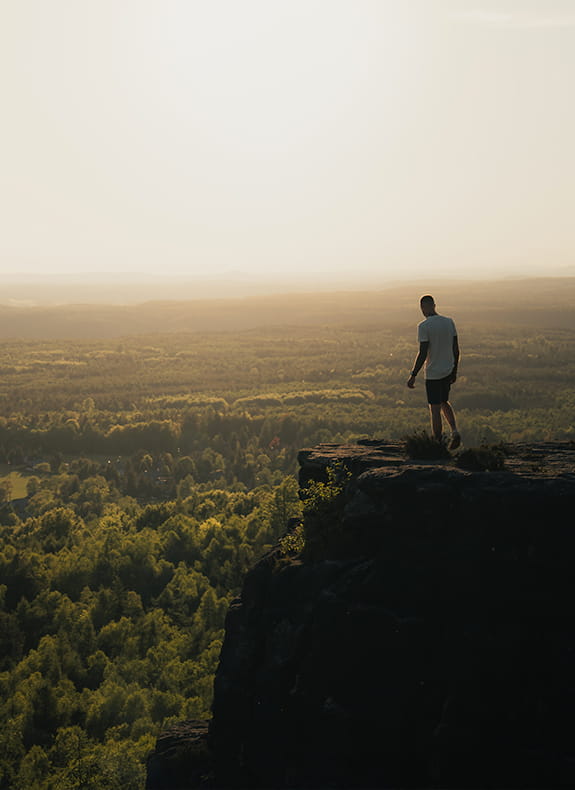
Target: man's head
427, 304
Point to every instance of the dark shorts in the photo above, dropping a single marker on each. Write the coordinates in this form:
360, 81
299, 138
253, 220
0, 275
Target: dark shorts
438, 390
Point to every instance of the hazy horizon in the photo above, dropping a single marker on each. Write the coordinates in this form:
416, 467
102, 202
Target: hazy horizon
132, 288
266, 142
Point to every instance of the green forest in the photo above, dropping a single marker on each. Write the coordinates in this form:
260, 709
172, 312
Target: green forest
142, 474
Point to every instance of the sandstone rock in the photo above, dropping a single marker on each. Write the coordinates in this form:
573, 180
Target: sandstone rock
432, 644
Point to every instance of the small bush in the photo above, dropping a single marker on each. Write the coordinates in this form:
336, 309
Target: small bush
486, 458
293, 542
323, 511
320, 497
421, 445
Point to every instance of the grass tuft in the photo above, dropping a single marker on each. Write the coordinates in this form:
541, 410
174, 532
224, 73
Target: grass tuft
420, 445
485, 458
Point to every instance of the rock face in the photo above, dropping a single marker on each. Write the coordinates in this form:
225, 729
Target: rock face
181, 758
426, 640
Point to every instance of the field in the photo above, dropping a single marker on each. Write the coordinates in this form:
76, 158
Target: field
13, 481
151, 462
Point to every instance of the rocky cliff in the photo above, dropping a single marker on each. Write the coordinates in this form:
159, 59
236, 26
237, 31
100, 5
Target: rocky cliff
424, 638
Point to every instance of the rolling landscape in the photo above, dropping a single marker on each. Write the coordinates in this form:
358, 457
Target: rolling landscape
148, 455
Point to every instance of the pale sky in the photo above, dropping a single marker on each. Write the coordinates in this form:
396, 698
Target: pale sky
203, 137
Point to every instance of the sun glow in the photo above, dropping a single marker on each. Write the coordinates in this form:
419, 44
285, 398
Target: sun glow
284, 135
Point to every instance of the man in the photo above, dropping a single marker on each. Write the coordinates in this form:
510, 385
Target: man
439, 350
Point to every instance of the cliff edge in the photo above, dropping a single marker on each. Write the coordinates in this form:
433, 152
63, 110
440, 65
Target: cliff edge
424, 637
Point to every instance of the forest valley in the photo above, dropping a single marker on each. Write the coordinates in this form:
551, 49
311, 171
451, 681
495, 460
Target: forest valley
142, 475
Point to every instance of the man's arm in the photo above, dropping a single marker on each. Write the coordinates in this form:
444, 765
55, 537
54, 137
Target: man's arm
419, 360
455, 359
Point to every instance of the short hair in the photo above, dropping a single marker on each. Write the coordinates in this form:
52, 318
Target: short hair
427, 299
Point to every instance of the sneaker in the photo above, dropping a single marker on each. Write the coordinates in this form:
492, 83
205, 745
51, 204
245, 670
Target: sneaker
455, 441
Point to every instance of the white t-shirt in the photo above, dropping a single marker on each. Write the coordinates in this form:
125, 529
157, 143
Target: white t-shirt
438, 331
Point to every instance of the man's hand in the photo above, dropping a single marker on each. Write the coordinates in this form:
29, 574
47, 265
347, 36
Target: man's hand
411, 382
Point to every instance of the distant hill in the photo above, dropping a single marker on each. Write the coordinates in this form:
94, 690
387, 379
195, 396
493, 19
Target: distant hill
541, 302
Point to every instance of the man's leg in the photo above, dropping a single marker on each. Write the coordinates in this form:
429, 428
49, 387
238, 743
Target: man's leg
449, 415
436, 423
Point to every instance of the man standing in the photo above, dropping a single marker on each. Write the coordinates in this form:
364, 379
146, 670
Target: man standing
439, 350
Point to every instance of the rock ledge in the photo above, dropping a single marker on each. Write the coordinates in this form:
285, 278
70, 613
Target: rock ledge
432, 645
